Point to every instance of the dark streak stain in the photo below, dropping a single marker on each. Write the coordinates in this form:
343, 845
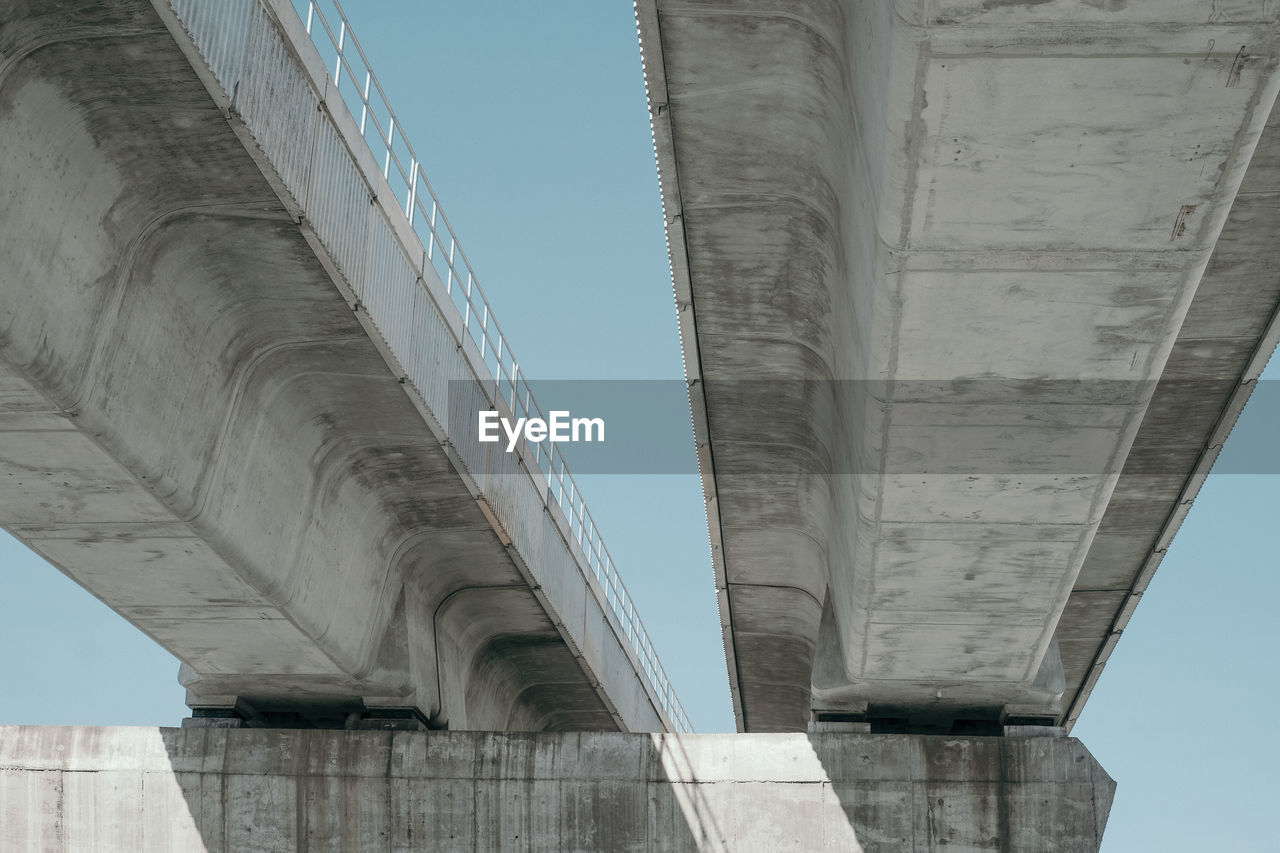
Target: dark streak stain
1180, 224
1233, 78
996, 4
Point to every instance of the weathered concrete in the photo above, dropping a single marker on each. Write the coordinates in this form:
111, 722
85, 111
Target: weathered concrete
972, 236
142, 790
196, 425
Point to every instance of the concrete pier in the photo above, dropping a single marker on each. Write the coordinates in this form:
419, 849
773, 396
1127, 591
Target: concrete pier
147, 789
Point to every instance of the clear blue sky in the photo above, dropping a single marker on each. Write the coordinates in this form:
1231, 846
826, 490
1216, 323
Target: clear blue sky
530, 119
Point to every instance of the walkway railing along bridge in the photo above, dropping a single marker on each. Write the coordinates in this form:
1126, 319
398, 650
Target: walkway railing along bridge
353, 77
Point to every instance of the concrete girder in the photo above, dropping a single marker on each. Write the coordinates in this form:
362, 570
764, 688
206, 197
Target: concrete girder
981, 227
196, 426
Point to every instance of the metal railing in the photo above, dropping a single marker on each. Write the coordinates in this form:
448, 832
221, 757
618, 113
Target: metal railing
355, 82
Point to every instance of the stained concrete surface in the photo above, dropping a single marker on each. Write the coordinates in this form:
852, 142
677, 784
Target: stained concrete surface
992, 223
142, 790
197, 427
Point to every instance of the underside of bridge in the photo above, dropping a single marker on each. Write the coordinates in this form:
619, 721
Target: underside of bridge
970, 295
197, 427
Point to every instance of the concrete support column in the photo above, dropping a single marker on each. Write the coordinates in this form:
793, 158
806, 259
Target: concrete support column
145, 789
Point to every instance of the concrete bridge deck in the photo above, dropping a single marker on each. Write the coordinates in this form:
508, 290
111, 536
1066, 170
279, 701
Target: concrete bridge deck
970, 296
227, 372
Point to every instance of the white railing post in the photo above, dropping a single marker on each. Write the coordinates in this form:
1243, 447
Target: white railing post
389, 141
412, 194
364, 101
337, 65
